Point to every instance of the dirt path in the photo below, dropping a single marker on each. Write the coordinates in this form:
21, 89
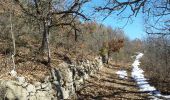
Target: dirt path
106, 85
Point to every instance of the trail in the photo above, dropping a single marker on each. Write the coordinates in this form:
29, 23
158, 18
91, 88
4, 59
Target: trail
142, 82
120, 83
108, 85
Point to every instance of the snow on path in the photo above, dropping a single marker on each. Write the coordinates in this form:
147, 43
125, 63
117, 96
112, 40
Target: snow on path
122, 74
138, 76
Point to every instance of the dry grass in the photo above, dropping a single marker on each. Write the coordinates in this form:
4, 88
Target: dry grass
31, 63
160, 80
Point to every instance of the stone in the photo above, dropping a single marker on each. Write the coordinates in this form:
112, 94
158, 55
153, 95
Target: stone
49, 87
65, 93
47, 79
10, 95
43, 95
31, 88
65, 72
65, 87
88, 62
2, 92
80, 81
31, 93
72, 65
13, 73
37, 85
24, 84
86, 76
15, 91
21, 80
56, 83
66, 78
32, 98
46, 86
54, 72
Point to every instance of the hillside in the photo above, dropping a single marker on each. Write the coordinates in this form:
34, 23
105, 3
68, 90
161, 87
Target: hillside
84, 49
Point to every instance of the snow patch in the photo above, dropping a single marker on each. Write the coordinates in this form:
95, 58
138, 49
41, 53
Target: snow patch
138, 76
122, 74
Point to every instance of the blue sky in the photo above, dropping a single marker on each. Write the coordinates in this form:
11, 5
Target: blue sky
134, 29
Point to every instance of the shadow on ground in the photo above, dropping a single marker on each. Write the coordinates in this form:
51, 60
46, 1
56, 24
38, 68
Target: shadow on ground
106, 85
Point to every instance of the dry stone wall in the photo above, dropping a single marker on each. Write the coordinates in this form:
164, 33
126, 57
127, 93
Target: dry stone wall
67, 79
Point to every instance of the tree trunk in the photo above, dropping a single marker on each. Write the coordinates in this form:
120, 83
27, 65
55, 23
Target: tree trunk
13, 38
108, 57
165, 51
105, 58
76, 35
45, 41
48, 47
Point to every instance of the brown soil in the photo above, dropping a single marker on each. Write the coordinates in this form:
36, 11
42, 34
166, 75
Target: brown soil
106, 85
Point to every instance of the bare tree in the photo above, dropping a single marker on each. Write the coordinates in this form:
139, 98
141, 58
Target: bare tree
53, 13
112, 6
157, 17
156, 12
13, 72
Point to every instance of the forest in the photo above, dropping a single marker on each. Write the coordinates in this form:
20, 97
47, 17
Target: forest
38, 36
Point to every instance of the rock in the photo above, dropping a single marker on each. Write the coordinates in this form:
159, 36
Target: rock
43, 95
31, 93
65, 72
66, 93
10, 95
53, 72
78, 83
21, 80
47, 79
46, 86
56, 74
32, 98
13, 73
86, 76
49, 87
80, 71
55, 82
25, 84
72, 65
65, 82
88, 62
2, 92
66, 79
15, 91
37, 85
31, 88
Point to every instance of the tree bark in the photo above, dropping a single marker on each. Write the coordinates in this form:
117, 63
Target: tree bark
13, 38
76, 35
45, 41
